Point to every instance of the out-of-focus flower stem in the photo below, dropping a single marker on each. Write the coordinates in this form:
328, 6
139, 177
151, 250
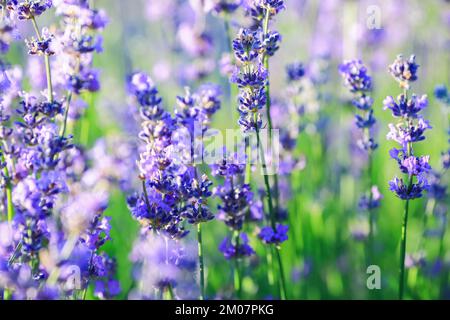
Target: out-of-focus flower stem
47, 63
237, 271
271, 212
200, 261
268, 104
10, 206
66, 114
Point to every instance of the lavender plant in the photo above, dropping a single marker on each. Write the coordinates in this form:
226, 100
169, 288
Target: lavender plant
359, 83
173, 192
409, 130
56, 221
253, 49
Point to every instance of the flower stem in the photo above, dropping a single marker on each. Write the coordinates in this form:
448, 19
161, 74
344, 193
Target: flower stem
66, 114
232, 86
170, 292
403, 251
283, 292
47, 62
266, 179
10, 205
237, 272
268, 103
200, 262
271, 214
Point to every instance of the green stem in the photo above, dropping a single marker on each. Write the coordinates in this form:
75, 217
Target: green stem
47, 62
403, 252
170, 291
237, 273
232, 86
268, 104
269, 260
266, 178
283, 292
248, 164
66, 114
10, 205
200, 262
271, 213
371, 217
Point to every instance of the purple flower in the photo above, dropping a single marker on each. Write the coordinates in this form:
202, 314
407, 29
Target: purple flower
231, 250
41, 46
404, 71
28, 9
408, 131
273, 6
271, 42
236, 200
363, 102
251, 81
441, 93
226, 6
355, 76
247, 46
405, 192
407, 108
372, 200
270, 236
295, 71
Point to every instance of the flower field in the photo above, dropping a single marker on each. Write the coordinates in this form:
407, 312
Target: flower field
224, 149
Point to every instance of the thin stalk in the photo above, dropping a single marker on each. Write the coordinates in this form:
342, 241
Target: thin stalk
232, 86
403, 251
66, 114
170, 291
266, 179
403, 236
283, 291
271, 213
10, 205
200, 261
237, 273
370, 210
248, 164
268, 104
47, 63
269, 260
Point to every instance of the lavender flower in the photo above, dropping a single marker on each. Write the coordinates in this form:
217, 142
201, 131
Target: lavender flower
29, 9
295, 71
355, 76
404, 71
232, 250
272, 6
251, 80
274, 236
407, 132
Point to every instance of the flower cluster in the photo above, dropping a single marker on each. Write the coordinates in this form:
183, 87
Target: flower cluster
359, 82
77, 41
173, 190
251, 79
56, 224
236, 249
162, 263
29, 9
236, 200
409, 130
274, 236
404, 71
